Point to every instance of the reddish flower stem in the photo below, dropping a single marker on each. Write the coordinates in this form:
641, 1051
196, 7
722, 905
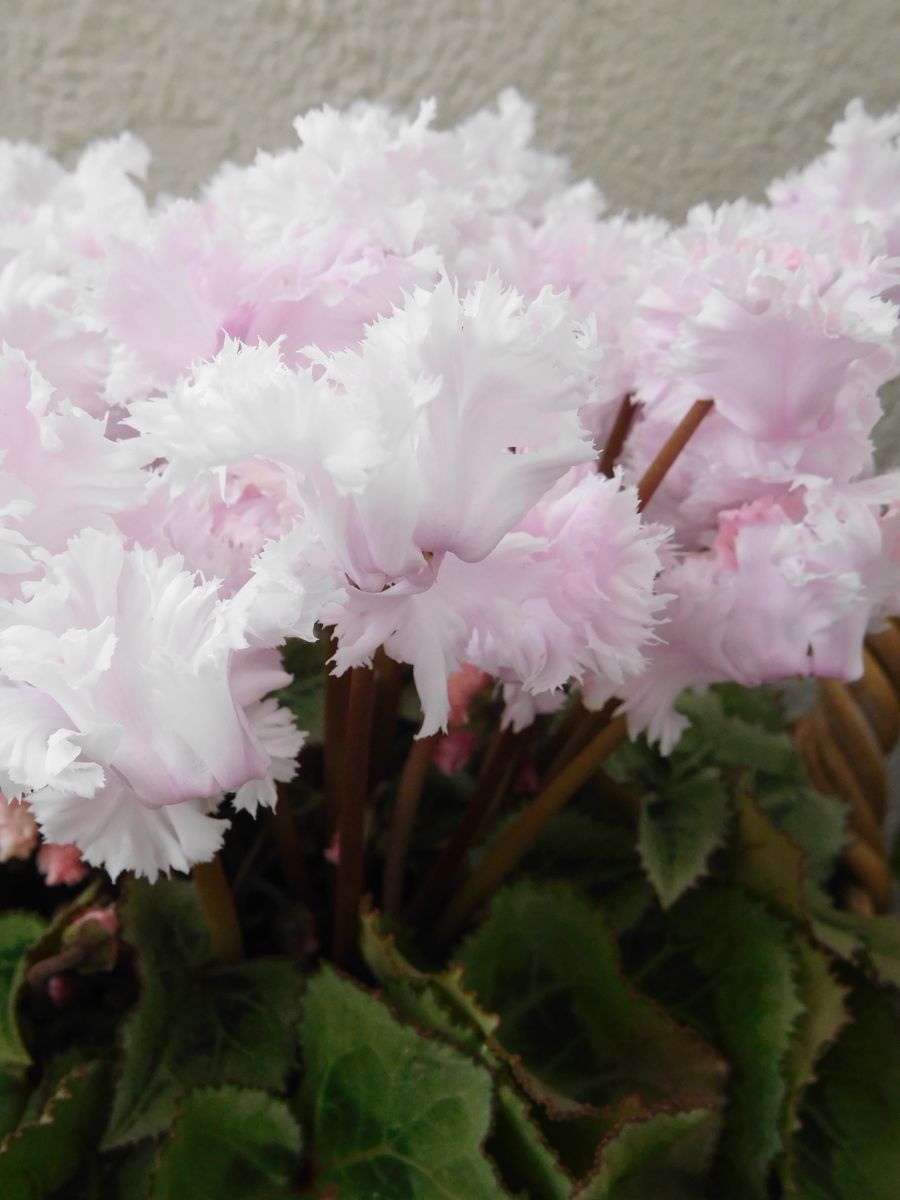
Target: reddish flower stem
403, 817
518, 837
587, 727
494, 774
354, 792
609, 455
389, 677
217, 904
288, 845
581, 726
337, 693
671, 448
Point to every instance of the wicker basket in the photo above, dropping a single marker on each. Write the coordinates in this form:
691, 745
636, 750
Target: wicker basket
844, 741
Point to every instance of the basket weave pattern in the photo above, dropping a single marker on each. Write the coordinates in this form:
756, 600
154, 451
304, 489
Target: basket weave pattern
844, 741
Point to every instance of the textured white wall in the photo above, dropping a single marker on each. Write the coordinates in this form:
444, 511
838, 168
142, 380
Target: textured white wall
665, 102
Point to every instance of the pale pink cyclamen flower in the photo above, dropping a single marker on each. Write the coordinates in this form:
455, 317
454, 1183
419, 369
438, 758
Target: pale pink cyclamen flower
466, 586
538, 611
341, 421
170, 298
245, 406
218, 530
56, 227
69, 218
312, 245
405, 446
409, 462
791, 343
789, 588
42, 314
175, 299
602, 265
476, 398
59, 473
854, 183
399, 183
130, 705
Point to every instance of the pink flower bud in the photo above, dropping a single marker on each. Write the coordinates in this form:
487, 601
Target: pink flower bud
18, 830
61, 864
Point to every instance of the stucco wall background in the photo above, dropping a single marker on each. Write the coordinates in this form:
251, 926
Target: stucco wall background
664, 102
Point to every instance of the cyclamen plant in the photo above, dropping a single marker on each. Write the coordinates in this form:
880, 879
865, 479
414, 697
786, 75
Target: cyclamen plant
404, 406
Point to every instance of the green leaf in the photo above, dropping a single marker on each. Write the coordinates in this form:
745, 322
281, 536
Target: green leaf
18, 932
851, 1122
741, 733
875, 940
197, 1021
582, 849
747, 954
13, 1096
732, 741
227, 1141
679, 830
389, 1112
881, 937
598, 856
439, 1003
545, 961
528, 1164
759, 705
129, 1174
814, 822
42, 1155
305, 694
769, 863
663, 1156
824, 1016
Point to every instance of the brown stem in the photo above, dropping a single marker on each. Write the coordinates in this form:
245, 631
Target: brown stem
352, 814
609, 455
517, 838
580, 726
676, 442
248, 862
288, 845
511, 774
586, 728
554, 744
406, 806
218, 908
389, 678
440, 878
337, 692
